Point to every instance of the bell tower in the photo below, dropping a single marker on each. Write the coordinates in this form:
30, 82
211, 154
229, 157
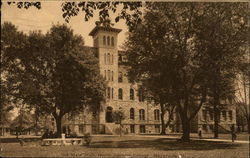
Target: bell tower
105, 40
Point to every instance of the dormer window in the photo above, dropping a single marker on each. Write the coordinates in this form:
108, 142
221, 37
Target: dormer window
104, 40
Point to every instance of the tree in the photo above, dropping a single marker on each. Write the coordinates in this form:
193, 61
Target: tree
222, 34
57, 75
242, 96
118, 116
23, 122
171, 49
161, 51
129, 11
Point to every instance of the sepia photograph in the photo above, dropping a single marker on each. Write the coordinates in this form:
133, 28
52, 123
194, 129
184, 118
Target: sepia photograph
125, 79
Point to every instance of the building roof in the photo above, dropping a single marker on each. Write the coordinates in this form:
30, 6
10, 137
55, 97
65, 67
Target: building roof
104, 28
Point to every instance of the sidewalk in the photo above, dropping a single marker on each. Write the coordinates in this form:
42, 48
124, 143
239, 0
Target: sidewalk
176, 137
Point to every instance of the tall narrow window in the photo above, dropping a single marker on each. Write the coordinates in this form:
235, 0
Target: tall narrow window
108, 58
112, 41
120, 95
108, 40
112, 93
120, 77
132, 128
104, 40
105, 58
140, 95
142, 114
157, 114
105, 75
112, 76
112, 59
132, 97
109, 92
109, 75
142, 129
224, 115
132, 113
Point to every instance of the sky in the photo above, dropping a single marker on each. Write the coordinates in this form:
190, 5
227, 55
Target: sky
33, 19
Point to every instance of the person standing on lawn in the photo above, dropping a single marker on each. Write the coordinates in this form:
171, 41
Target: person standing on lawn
233, 133
200, 132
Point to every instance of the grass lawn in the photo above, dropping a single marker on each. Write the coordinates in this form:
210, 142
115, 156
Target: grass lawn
130, 146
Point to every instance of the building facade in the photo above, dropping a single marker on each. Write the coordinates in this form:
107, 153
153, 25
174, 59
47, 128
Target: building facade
140, 116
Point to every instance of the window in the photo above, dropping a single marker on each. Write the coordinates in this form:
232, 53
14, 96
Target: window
112, 59
142, 114
132, 94
81, 129
140, 95
204, 115
105, 75
108, 58
157, 114
112, 93
109, 117
105, 58
132, 113
109, 75
108, 92
108, 40
157, 128
104, 40
120, 77
120, 58
112, 41
112, 76
120, 95
142, 129
132, 128
230, 115
224, 115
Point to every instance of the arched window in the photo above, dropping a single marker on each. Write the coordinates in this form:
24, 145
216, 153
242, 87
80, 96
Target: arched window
142, 114
104, 40
132, 113
132, 94
109, 75
112, 59
112, 76
140, 95
120, 95
108, 39
157, 114
108, 58
112, 41
120, 77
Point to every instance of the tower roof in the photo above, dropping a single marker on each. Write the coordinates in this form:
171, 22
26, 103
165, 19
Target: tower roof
104, 28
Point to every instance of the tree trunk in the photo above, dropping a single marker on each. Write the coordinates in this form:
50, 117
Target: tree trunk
185, 126
58, 126
216, 122
163, 125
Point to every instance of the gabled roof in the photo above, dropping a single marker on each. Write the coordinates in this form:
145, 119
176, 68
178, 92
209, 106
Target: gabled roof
104, 28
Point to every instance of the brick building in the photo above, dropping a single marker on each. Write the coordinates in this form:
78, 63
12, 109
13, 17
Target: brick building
140, 116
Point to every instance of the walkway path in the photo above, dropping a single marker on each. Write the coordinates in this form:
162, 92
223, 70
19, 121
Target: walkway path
176, 137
